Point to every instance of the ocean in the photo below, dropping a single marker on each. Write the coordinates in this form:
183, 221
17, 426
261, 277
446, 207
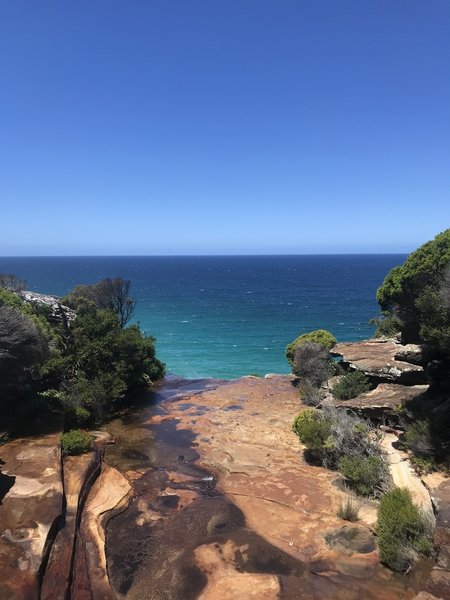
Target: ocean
228, 316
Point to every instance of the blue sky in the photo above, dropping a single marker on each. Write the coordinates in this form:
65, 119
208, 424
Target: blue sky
240, 126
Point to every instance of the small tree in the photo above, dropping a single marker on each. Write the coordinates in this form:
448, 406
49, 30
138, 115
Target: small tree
111, 294
320, 336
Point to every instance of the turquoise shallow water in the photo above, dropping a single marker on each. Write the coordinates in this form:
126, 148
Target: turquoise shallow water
227, 316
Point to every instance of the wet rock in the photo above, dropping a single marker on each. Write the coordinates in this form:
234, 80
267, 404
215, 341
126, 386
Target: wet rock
377, 359
79, 474
30, 513
262, 520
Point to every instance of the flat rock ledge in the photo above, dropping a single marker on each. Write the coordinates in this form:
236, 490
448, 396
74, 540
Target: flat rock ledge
384, 401
378, 359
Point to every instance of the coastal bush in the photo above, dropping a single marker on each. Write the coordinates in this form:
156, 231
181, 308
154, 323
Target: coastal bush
403, 530
350, 386
416, 293
312, 429
23, 349
312, 362
347, 443
110, 294
320, 336
310, 395
75, 442
363, 473
101, 363
387, 326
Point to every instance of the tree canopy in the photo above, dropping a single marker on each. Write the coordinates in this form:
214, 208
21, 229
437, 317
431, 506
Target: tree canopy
111, 294
417, 294
81, 369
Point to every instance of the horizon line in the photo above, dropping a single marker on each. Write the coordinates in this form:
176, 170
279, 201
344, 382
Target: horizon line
201, 255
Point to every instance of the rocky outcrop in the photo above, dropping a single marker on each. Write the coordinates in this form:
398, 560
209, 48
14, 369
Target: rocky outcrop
377, 359
384, 401
90, 576
57, 312
30, 514
221, 489
79, 474
403, 475
439, 581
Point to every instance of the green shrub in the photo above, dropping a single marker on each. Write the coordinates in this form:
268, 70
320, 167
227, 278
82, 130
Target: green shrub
387, 326
312, 429
351, 385
320, 336
418, 438
349, 510
76, 442
364, 474
402, 530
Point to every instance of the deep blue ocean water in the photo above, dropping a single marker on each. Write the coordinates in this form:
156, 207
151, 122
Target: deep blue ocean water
227, 316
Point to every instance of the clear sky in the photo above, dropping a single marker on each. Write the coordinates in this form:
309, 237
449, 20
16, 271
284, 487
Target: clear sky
229, 127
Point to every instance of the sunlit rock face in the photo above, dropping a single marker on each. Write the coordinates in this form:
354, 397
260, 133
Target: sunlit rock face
223, 500
381, 360
30, 512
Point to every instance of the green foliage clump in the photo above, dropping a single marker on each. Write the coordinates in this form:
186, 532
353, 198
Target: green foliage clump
388, 326
102, 362
320, 336
350, 386
363, 473
82, 367
75, 442
417, 294
312, 429
403, 531
344, 442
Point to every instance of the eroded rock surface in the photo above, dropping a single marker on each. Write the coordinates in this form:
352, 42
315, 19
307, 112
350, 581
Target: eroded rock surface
377, 359
29, 513
384, 401
223, 500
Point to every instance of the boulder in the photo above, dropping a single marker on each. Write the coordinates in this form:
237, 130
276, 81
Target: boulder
377, 359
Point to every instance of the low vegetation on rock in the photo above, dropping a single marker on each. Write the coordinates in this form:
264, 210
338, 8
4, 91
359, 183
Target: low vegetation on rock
350, 386
345, 442
75, 442
403, 530
320, 336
